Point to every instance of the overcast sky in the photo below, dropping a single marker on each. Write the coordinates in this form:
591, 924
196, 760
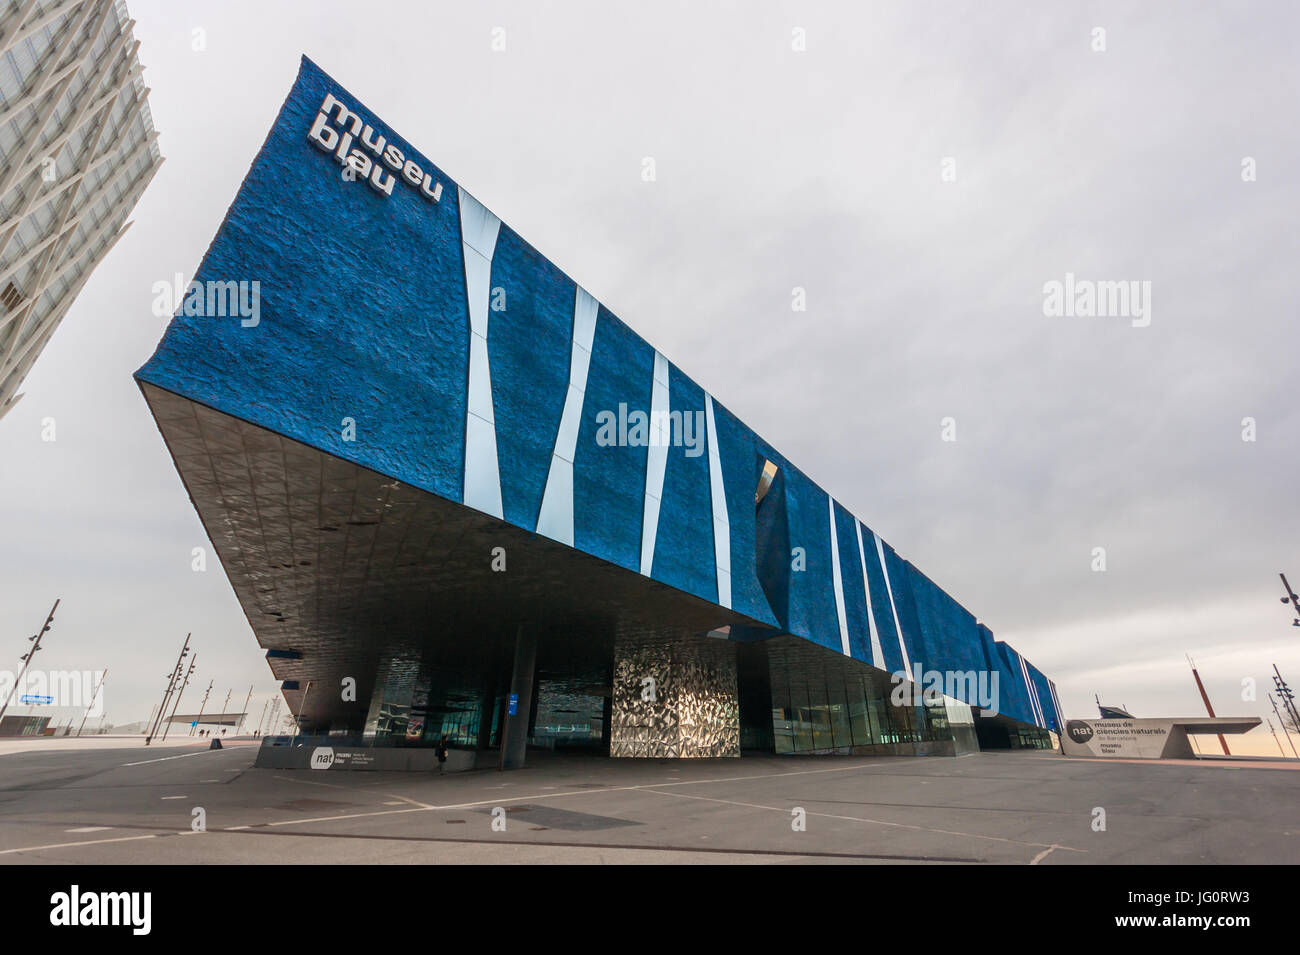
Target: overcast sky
779, 168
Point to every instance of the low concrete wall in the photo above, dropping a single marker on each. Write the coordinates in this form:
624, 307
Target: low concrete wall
322, 756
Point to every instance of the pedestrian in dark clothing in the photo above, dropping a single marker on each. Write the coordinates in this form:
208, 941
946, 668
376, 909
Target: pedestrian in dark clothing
441, 752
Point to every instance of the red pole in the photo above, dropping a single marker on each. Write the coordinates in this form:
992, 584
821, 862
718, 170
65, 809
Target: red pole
1209, 709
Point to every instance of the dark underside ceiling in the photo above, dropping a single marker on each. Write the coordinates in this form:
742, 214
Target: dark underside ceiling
345, 565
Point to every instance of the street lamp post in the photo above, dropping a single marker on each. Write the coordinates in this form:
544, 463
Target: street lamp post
297, 723
27, 657
244, 715
194, 661
202, 707
273, 716
1275, 739
1288, 698
102, 677
1292, 598
171, 686
1285, 732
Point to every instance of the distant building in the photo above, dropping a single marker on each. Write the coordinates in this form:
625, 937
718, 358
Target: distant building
77, 149
183, 723
24, 726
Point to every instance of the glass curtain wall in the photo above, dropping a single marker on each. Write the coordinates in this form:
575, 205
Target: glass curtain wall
823, 703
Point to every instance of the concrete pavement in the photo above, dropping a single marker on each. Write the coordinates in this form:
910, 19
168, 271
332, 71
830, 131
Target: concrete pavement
129, 805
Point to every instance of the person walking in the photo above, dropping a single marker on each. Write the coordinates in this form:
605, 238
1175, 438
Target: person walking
441, 752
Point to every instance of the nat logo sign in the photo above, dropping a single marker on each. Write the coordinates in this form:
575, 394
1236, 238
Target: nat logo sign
1079, 731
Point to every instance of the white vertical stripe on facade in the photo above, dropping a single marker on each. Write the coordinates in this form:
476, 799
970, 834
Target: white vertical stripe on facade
1029, 692
656, 464
721, 520
889, 589
1056, 706
877, 654
479, 229
555, 519
837, 579
1038, 702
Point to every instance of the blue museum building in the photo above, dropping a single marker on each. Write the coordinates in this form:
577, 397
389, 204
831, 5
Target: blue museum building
456, 495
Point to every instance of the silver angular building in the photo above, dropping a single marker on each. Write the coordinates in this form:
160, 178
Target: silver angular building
77, 150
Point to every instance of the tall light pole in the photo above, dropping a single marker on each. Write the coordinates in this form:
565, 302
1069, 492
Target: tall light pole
297, 723
171, 686
1292, 598
1285, 732
172, 678
102, 677
194, 660
27, 657
244, 715
1275, 739
202, 707
222, 721
273, 717
1288, 698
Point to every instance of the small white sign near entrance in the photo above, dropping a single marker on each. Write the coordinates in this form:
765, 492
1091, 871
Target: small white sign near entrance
322, 757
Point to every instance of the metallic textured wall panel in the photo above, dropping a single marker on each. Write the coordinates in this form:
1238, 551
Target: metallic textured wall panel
693, 710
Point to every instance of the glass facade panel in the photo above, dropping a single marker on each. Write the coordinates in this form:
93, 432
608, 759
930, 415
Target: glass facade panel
567, 720
835, 704
837, 708
879, 713
859, 721
819, 716
782, 711
934, 725
802, 725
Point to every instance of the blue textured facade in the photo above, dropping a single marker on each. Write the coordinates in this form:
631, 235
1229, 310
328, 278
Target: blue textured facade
529, 345
367, 314
609, 480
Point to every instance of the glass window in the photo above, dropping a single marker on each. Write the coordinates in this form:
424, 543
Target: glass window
837, 706
859, 722
782, 714
802, 723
